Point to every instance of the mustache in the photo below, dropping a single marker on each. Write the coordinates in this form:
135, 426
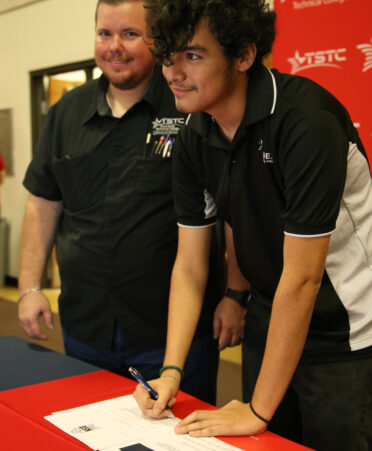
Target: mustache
178, 85
118, 57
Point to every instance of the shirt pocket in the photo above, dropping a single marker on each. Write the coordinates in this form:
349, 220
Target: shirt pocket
154, 175
74, 175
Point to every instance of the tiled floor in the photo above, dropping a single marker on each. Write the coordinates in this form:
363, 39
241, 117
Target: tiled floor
229, 375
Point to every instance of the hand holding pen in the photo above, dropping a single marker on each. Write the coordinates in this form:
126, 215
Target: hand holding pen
153, 394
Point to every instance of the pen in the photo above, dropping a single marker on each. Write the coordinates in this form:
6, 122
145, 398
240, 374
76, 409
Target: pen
170, 148
148, 150
145, 385
165, 151
161, 140
154, 146
163, 144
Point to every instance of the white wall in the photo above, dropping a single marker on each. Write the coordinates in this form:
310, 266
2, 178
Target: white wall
8, 5
40, 35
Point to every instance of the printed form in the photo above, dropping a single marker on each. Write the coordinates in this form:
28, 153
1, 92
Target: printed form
118, 425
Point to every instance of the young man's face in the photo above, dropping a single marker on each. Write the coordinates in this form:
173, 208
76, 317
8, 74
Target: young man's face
201, 77
120, 50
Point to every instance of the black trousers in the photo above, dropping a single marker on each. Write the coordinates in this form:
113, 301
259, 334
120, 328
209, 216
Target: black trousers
328, 406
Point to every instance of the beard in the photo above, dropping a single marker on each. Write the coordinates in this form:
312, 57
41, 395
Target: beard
130, 76
123, 82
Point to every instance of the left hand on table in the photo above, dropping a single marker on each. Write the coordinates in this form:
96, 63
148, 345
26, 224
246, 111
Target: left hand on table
236, 418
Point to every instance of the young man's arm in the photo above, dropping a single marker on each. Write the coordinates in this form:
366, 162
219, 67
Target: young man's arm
189, 278
228, 323
304, 260
40, 222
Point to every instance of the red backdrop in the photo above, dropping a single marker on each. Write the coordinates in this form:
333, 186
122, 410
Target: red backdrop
330, 42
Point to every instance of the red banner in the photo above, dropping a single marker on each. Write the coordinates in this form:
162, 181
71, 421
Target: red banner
330, 42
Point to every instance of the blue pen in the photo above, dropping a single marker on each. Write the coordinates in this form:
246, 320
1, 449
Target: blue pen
145, 385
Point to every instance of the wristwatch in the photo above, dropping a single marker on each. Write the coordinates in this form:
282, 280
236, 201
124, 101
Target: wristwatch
241, 297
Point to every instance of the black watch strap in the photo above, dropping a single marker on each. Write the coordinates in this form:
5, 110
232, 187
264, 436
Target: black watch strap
241, 297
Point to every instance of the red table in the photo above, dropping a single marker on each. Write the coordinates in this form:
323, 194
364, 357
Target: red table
22, 411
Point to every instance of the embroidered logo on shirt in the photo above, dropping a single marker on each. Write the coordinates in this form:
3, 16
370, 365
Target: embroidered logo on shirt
167, 125
266, 156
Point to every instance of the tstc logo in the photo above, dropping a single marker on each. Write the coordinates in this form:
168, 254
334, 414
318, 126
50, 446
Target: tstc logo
367, 50
167, 125
321, 58
302, 4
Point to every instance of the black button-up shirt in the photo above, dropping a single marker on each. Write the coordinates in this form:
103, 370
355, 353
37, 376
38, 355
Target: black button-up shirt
117, 235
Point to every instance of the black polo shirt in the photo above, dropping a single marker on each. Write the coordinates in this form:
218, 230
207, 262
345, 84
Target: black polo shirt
117, 236
284, 173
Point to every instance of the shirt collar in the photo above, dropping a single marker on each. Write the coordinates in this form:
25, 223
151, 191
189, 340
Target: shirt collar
261, 102
261, 95
98, 104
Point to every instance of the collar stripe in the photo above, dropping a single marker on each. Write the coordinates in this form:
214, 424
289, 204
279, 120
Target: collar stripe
275, 92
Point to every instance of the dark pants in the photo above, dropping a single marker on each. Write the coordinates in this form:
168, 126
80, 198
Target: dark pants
200, 371
328, 406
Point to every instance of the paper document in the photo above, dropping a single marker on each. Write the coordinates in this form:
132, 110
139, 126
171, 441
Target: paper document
118, 424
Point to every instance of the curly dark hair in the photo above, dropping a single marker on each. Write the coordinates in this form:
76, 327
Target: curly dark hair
234, 23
